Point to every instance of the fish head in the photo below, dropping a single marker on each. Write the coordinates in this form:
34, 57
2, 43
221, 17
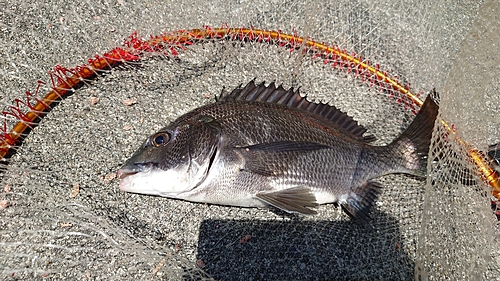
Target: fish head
174, 160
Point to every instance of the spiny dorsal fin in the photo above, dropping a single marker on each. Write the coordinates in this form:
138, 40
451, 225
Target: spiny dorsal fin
292, 98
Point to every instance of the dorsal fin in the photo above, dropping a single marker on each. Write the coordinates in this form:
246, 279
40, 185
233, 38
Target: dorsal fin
292, 98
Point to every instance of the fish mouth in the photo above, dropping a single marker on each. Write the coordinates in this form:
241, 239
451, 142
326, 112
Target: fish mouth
129, 172
131, 169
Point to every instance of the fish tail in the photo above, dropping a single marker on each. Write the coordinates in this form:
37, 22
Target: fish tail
413, 144
407, 154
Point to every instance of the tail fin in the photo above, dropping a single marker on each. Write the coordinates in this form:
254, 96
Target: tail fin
413, 144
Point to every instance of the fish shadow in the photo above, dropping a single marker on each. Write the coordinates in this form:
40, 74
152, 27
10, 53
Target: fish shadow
303, 250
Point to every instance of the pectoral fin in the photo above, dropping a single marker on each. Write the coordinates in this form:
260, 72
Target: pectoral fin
292, 200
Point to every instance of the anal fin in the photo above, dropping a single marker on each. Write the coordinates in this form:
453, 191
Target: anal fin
292, 200
358, 204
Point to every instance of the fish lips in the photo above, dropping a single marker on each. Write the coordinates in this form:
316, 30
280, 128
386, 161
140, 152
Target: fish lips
126, 174
131, 169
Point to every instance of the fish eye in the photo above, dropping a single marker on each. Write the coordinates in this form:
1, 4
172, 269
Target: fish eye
160, 139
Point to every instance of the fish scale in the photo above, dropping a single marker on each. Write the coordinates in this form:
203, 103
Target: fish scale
264, 146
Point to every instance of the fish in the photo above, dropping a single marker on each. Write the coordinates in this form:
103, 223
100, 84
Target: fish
262, 146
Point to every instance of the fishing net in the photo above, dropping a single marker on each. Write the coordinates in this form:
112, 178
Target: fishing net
114, 72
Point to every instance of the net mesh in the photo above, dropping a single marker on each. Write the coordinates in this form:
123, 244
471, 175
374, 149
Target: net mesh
459, 229
63, 217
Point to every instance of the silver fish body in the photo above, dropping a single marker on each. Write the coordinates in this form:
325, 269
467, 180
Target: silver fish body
261, 145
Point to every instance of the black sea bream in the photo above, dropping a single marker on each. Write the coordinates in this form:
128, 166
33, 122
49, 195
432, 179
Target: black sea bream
261, 145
